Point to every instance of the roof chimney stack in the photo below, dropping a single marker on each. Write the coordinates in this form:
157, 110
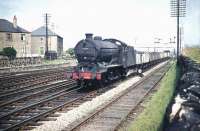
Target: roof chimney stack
15, 21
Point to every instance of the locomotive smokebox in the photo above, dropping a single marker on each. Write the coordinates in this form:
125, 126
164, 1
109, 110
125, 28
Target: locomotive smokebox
89, 36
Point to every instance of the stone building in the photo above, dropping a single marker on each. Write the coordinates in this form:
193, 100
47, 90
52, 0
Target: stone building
11, 35
38, 42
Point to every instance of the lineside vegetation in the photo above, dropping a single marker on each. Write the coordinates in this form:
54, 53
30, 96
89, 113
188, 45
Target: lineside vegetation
193, 53
151, 119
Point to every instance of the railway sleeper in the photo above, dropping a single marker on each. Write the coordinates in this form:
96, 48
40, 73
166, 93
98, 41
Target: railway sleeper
48, 119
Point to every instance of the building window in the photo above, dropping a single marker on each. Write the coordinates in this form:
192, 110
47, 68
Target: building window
22, 37
42, 50
9, 37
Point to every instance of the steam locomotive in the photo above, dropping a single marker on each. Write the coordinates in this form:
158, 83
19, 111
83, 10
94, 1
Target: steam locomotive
104, 60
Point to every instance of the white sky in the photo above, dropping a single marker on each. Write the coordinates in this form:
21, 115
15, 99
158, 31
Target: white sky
127, 20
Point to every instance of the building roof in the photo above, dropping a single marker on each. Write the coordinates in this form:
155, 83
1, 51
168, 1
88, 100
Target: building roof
7, 26
42, 32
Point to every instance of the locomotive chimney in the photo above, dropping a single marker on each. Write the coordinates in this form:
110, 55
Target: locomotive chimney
89, 36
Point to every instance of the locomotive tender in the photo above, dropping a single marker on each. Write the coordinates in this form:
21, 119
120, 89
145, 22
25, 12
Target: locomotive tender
104, 60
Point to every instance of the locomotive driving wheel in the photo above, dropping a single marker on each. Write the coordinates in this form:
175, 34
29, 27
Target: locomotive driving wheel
100, 83
82, 83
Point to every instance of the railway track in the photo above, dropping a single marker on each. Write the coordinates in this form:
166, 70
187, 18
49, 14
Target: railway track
36, 81
35, 92
14, 74
29, 108
29, 80
112, 114
23, 79
26, 117
62, 100
9, 71
22, 113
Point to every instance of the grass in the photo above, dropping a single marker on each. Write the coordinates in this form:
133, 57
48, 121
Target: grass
57, 61
193, 53
151, 119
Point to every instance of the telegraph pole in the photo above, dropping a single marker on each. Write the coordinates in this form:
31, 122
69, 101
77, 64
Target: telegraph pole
178, 14
46, 25
46, 22
178, 9
180, 40
172, 41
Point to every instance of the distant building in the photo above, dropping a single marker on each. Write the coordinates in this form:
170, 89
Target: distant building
38, 42
11, 35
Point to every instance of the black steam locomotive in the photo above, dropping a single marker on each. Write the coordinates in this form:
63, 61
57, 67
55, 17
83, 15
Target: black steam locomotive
104, 60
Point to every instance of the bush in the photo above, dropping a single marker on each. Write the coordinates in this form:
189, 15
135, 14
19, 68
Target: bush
10, 52
70, 51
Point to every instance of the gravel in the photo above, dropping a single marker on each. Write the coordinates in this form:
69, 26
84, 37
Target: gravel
86, 108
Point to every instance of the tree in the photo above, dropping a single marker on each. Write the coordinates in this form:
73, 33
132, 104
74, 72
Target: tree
70, 51
10, 52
